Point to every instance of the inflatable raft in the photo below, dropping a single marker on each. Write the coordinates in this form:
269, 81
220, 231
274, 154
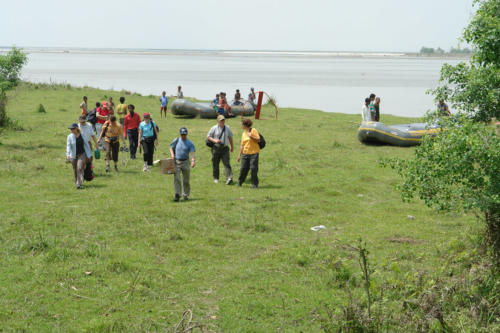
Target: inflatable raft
403, 135
182, 107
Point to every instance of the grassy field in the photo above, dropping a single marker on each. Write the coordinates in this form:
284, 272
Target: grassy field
120, 255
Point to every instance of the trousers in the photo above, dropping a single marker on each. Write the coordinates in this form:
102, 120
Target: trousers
133, 136
148, 148
184, 168
78, 168
249, 162
223, 154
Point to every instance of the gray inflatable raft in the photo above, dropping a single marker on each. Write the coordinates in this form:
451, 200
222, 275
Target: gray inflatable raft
182, 107
403, 135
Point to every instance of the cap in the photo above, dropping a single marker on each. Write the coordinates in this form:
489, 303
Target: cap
220, 117
82, 118
146, 115
73, 126
183, 131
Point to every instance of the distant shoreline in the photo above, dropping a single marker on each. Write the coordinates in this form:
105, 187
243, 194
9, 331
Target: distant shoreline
263, 53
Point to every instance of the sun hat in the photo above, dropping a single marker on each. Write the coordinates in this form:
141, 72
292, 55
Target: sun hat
220, 117
105, 104
183, 131
73, 126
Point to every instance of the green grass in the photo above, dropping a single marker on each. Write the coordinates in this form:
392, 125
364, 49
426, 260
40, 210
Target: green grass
120, 255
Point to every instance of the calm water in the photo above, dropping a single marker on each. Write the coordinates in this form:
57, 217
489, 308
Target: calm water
313, 81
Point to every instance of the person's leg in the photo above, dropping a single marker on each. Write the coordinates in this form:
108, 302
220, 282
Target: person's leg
215, 163
98, 129
80, 168
245, 166
177, 179
107, 146
145, 154
74, 163
186, 172
151, 149
131, 144
227, 165
254, 168
115, 147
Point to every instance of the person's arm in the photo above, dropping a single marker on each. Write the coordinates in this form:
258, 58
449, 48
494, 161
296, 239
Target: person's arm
68, 147
172, 154
102, 132
192, 159
122, 137
99, 116
139, 137
210, 136
125, 124
156, 133
241, 152
231, 143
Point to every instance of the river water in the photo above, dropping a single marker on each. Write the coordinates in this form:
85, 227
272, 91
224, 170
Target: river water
323, 81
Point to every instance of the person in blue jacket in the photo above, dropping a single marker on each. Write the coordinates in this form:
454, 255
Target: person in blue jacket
77, 153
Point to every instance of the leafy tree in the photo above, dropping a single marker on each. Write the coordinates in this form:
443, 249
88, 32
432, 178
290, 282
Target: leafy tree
460, 168
10, 70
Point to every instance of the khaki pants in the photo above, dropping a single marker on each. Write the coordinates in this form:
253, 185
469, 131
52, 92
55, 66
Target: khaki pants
185, 168
79, 167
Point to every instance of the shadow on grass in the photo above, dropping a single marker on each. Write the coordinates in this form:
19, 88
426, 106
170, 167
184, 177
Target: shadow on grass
182, 201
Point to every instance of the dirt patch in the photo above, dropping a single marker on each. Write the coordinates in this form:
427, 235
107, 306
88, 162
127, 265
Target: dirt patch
402, 240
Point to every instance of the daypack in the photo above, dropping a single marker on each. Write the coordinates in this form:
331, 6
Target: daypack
88, 173
262, 142
157, 129
91, 116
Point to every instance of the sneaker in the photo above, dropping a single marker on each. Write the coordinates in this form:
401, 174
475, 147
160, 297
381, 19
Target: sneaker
177, 197
216, 181
116, 168
186, 198
78, 187
229, 181
107, 168
145, 168
255, 186
239, 184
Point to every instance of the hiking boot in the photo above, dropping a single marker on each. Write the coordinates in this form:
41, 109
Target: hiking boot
239, 184
255, 186
229, 181
116, 168
78, 187
186, 198
177, 197
216, 181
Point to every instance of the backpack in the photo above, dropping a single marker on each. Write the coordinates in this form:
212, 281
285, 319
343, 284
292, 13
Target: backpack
157, 129
88, 173
91, 116
262, 142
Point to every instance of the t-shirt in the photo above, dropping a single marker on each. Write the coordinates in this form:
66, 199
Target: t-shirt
182, 148
180, 94
87, 131
365, 113
372, 107
121, 110
164, 100
114, 130
251, 97
102, 112
250, 147
215, 133
131, 122
147, 129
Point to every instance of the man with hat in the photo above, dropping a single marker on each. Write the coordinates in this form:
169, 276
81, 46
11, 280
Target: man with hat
221, 137
87, 131
180, 149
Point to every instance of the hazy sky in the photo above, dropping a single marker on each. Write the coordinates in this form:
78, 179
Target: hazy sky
328, 25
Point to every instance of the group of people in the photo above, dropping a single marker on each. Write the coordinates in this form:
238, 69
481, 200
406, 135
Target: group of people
100, 129
222, 107
371, 108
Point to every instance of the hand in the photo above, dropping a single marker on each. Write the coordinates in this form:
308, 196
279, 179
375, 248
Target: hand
68, 157
239, 158
218, 141
192, 164
156, 142
231, 150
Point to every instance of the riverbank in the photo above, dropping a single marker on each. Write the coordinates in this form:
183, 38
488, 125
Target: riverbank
121, 255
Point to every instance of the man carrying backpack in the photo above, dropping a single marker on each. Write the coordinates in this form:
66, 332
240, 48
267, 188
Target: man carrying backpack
180, 149
219, 138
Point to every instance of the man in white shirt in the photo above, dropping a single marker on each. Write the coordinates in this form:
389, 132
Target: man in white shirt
221, 137
365, 111
87, 132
